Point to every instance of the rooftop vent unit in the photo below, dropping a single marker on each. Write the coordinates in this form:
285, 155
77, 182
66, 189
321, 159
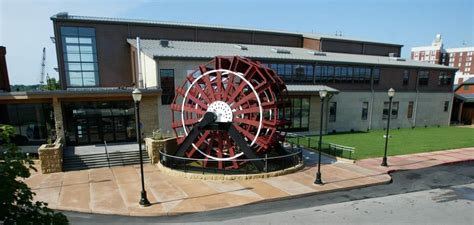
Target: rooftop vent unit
317, 53
281, 51
165, 43
392, 55
62, 14
401, 59
241, 47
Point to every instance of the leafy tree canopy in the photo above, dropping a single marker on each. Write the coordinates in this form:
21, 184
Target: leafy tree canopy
16, 198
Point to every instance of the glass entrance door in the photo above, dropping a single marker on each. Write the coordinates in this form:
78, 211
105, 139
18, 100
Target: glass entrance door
96, 122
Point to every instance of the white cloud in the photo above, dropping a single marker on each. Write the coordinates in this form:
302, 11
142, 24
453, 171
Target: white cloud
25, 28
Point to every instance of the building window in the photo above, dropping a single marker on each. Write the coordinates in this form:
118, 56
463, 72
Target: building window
80, 56
406, 77
332, 111
300, 117
365, 110
444, 79
376, 75
167, 86
300, 120
394, 110
446, 106
33, 122
423, 77
410, 110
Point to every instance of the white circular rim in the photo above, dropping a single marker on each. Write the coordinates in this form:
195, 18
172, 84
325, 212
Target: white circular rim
224, 72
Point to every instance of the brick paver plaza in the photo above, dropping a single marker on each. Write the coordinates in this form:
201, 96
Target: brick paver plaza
116, 190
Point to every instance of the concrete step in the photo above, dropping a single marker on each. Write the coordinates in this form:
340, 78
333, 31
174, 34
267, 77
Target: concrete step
98, 160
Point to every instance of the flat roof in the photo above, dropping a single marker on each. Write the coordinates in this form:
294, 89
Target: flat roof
344, 38
206, 50
67, 17
462, 49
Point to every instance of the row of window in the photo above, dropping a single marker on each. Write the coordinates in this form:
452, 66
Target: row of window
385, 112
325, 73
345, 74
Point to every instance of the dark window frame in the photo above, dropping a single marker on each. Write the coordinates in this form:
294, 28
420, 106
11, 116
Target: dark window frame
446, 106
69, 56
410, 109
332, 111
365, 110
406, 77
423, 78
168, 93
394, 113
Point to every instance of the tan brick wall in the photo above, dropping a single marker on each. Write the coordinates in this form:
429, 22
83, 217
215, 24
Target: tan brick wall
149, 115
51, 157
153, 147
315, 113
58, 119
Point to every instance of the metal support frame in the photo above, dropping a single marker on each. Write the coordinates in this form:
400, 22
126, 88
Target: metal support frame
208, 123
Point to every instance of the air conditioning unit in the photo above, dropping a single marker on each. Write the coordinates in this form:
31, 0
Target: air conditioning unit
165, 43
392, 54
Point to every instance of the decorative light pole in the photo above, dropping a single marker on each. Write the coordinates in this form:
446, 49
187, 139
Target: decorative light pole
137, 97
391, 93
322, 95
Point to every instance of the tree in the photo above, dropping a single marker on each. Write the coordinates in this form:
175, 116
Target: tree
16, 198
52, 84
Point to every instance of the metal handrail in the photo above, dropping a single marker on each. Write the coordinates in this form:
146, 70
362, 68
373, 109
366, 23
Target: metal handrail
107, 153
243, 160
308, 139
294, 158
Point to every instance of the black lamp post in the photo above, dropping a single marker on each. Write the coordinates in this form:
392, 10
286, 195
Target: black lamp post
137, 97
391, 93
322, 95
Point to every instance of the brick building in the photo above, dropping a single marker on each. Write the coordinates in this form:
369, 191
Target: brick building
97, 61
463, 105
460, 58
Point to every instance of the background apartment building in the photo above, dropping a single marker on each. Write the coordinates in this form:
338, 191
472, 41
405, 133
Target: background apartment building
460, 58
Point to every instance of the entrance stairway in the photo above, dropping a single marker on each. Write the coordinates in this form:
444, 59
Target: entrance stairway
81, 162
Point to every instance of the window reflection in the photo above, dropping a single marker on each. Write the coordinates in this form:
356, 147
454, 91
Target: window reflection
80, 56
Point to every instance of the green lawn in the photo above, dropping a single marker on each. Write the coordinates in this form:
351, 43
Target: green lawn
402, 141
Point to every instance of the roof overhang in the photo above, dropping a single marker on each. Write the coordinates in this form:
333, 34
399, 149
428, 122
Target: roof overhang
308, 89
465, 97
77, 93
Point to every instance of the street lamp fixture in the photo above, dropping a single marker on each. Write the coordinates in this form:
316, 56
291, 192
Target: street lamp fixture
322, 95
391, 93
137, 97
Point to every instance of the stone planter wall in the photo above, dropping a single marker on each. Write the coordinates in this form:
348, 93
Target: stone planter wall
51, 157
153, 147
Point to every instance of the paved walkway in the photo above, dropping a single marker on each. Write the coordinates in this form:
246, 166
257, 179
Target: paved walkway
116, 190
418, 160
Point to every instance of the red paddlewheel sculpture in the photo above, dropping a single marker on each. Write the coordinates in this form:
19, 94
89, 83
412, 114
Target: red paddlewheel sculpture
230, 110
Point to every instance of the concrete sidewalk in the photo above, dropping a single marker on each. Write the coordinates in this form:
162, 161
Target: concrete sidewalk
418, 160
116, 190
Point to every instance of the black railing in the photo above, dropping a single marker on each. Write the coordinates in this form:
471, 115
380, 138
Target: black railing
293, 158
310, 142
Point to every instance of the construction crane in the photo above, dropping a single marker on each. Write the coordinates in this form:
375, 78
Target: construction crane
43, 65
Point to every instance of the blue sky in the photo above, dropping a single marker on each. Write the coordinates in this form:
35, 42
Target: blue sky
408, 22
